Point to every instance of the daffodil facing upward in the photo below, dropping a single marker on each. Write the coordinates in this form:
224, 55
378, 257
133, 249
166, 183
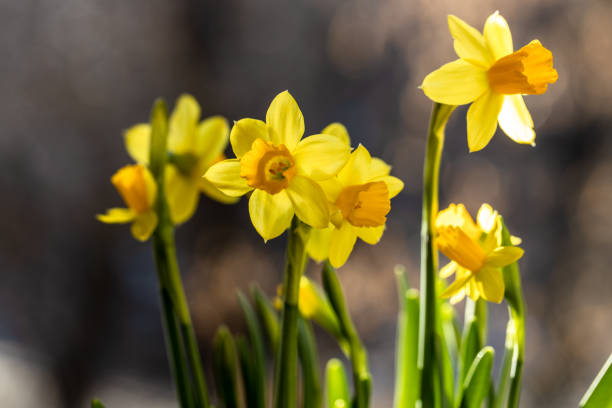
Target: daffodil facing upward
281, 169
491, 76
193, 147
359, 199
475, 252
137, 187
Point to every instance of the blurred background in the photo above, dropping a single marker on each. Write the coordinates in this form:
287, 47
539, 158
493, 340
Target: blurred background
79, 310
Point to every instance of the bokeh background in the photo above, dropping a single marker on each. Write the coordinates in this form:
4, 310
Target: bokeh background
79, 312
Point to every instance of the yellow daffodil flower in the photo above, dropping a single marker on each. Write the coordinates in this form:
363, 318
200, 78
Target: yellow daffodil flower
193, 147
281, 170
475, 252
493, 78
360, 199
138, 189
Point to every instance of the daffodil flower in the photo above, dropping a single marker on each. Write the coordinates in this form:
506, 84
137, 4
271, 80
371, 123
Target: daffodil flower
475, 252
193, 147
493, 78
280, 170
360, 199
137, 187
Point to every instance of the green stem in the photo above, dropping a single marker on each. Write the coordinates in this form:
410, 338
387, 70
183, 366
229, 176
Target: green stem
429, 312
285, 379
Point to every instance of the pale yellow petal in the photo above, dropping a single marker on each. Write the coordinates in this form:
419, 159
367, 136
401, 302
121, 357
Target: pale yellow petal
379, 168
225, 175
285, 117
469, 43
486, 218
309, 201
182, 124
137, 142
182, 193
357, 167
319, 243
244, 132
320, 157
497, 36
338, 130
457, 215
456, 83
213, 192
515, 120
370, 235
516, 240
490, 283
332, 188
503, 256
144, 224
271, 214
447, 270
212, 135
342, 243
117, 216
454, 288
394, 184
482, 120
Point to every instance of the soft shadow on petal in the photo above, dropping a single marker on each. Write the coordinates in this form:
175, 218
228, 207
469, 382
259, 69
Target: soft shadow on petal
225, 175
320, 156
356, 170
515, 120
244, 132
319, 242
482, 120
490, 283
138, 141
456, 83
285, 117
371, 235
144, 224
342, 243
211, 138
309, 202
182, 194
271, 214
469, 43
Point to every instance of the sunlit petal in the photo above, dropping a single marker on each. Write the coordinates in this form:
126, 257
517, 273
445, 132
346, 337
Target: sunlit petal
356, 170
320, 156
225, 175
271, 214
490, 284
319, 243
371, 235
342, 243
497, 36
456, 83
503, 256
338, 130
482, 120
469, 43
285, 117
515, 120
244, 132
213, 192
309, 202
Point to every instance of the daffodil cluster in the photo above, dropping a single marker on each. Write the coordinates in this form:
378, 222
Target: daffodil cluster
342, 195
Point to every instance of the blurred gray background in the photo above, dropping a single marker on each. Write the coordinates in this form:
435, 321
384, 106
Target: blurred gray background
79, 312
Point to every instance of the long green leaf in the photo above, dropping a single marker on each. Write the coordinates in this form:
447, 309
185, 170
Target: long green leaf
249, 372
505, 377
268, 316
336, 385
470, 345
599, 394
96, 404
307, 352
258, 399
478, 379
225, 364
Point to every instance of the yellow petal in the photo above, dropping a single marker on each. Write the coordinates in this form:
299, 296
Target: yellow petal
482, 120
457, 286
332, 188
309, 201
320, 157
356, 170
182, 124
457, 215
338, 130
117, 216
371, 235
342, 243
137, 142
486, 217
144, 225
515, 120
503, 256
319, 242
271, 214
285, 117
469, 43
182, 193
211, 138
213, 192
515, 240
394, 184
456, 83
497, 36
225, 175
448, 269
490, 284
244, 132
379, 168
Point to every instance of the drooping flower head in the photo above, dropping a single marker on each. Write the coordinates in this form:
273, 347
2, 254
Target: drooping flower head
137, 187
475, 252
193, 147
281, 169
359, 199
493, 77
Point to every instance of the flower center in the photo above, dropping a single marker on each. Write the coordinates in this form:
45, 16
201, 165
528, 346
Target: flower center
267, 167
365, 205
459, 247
526, 71
131, 182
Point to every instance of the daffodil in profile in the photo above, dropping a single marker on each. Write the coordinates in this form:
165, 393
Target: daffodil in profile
279, 168
475, 251
359, 199
193, 147
137, 187
491, 76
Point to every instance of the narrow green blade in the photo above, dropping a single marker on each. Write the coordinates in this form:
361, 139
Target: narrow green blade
470, 344
96, 404
225, 363
478, 379
309, 360
599, 394
268, 316
258, 399
336, 386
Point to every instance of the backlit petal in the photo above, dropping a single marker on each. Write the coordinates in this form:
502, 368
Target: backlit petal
456, 83
457, 286
338, 130
285, 117
309, 201
244, 132
271, 214
394, 184
379, 168
182, 124
356, 170
342, 243
144, 224
211, 138
486, 217
482, 120
137, 142
182, 193
117, 216
469, 43
497, 36
213, 192
503, 256
319, 242
490, 284
320, 156
515, 120
225, 175
371, 235
447, 270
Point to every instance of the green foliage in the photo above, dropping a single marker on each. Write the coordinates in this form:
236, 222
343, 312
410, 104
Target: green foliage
225, 365
599, 394
336, 385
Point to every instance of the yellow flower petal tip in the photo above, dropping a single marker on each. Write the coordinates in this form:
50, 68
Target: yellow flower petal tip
493, 77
